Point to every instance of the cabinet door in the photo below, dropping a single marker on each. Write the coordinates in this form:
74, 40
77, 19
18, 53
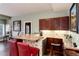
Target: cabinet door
55, 23
44, 24
52, 24
64, 23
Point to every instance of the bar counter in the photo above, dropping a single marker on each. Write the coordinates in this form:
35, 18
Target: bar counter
29, 37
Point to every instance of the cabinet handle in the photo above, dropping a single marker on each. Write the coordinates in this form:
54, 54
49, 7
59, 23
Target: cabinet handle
53, 44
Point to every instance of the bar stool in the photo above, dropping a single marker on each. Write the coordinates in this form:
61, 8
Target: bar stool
34, 51
24, 49
13, 49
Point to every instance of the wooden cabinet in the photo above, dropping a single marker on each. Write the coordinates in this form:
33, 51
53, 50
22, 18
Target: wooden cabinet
53, 46
60, 23
64, 23
44, 24
71, 52
54, 23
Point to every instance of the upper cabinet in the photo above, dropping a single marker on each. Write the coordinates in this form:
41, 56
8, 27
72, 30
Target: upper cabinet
64, 23
60, 23
55, 23
44, 24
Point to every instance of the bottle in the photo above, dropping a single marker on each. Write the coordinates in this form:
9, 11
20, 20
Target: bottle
41, 34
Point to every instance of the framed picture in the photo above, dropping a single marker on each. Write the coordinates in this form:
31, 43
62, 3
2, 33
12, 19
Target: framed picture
73, 20
17, 25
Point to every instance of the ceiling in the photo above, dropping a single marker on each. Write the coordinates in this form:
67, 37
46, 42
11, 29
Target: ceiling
16, 9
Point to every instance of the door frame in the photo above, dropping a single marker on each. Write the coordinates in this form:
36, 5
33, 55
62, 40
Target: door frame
27, 22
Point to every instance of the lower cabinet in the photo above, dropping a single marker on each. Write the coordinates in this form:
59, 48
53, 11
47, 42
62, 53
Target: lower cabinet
44, 24
53, 47
44, 48
71, 52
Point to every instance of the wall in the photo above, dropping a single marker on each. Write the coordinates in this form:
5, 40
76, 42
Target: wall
34, 18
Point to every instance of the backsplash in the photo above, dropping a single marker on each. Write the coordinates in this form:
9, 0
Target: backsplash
75, 38
54, 33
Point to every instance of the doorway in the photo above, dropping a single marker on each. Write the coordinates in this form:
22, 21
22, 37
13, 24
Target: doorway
28, 28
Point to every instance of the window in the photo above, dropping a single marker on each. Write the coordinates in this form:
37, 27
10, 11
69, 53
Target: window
2, 27
1, 30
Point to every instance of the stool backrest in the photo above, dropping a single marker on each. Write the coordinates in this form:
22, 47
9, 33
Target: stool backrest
24, 49
13, 49
34, 51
